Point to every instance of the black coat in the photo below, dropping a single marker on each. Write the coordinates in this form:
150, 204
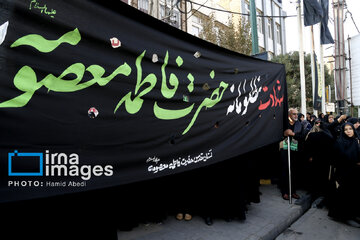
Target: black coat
347, 156
345, 200
317, 147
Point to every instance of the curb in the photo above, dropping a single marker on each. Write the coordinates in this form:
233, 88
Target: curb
301, 207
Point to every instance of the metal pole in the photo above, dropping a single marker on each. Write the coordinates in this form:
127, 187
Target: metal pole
289, 163
301, 59
350, 75
340, 68
342, 51
337, 76
254, 36
322, 67
313, 68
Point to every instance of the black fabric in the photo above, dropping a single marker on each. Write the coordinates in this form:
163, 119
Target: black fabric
345, 199
312, 12
161, 102
317, 148
325, 35
348, 148
298, 129
353, 120
315, 12
269, 164
220, 190
334, 128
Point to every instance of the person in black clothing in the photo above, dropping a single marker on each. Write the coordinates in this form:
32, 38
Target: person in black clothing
328, 119
297, 134
356, 123
301, 117
303, 121
183, 193
345, 203
335, 126
319, 154
312, 119
222, 190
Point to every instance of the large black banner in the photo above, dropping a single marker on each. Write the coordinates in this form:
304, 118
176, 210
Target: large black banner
96, 94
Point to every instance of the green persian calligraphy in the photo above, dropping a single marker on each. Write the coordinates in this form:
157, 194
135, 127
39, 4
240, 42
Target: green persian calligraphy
46, 46
26, 81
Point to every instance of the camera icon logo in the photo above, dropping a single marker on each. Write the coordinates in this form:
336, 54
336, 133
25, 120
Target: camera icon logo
25, 164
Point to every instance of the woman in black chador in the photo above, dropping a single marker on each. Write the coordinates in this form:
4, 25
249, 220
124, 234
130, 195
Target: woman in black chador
346, 199
319, 154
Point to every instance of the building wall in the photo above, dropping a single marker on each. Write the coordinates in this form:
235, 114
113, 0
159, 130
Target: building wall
222, 17
271, 37
271, 30
355, 70
231, 5
164, 10
194, 19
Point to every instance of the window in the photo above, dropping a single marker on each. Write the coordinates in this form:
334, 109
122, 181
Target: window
247, 11
278, 33
195, 31
143, 5
270, 55
171, 16
277, 10
195, 20
175, 19
270, 29
217, 33
259, 21
162, 12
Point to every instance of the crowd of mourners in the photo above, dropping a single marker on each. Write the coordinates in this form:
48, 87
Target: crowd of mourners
325, 160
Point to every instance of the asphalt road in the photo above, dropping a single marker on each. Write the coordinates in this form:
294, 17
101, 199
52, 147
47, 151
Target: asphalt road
264, 221
316, 225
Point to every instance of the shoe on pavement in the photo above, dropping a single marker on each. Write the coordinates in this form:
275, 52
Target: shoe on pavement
285, 196
294, 195
208, 221
187, 217
180, 216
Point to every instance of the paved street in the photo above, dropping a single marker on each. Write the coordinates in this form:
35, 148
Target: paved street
315, 224
265, 221
272, 218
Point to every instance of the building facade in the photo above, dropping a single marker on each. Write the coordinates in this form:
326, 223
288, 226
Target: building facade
188, 17
165, 10
270, 21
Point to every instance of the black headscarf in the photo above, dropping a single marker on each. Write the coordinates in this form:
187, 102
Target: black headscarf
326, 118
349, 146
324, 128
353, 120
300, 115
